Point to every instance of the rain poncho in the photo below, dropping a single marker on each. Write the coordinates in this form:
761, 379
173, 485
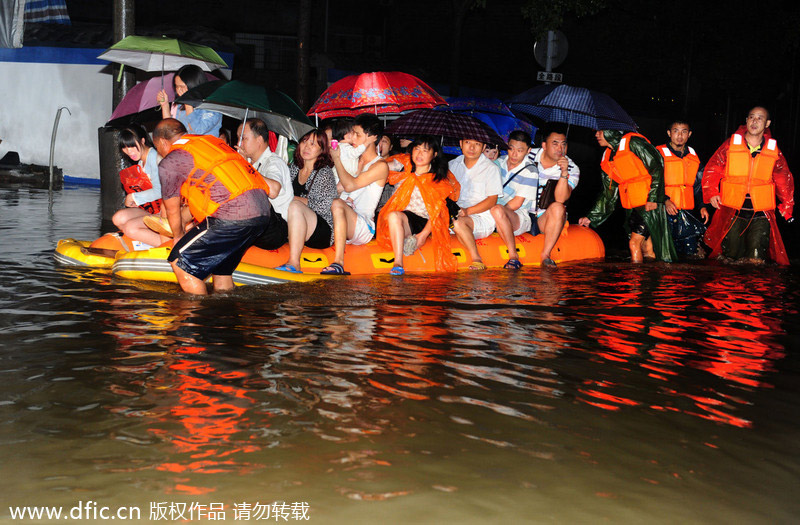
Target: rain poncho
434, 195
655, 220
724, 217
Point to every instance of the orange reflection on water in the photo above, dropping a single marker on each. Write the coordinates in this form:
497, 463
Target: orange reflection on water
726, 330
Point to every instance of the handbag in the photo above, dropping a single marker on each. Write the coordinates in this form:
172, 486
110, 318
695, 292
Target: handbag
548, 195
452, 210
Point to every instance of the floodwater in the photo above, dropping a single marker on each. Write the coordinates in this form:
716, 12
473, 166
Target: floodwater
600, 392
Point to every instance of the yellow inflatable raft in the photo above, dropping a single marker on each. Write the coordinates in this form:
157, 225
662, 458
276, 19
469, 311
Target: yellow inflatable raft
257, 266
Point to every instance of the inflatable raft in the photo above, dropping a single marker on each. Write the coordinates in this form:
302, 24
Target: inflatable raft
257, 266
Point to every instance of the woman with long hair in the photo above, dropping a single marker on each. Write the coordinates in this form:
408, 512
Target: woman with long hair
418, 208
142, 186
309, 216
196, 121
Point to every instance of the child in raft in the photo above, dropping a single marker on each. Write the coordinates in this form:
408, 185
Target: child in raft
341, 138
142, 186
417, 209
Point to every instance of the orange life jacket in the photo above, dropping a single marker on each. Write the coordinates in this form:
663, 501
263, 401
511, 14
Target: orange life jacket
627, 170
218, 164
134, 180
679, 176
745, 175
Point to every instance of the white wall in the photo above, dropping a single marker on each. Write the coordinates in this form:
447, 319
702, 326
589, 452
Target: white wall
30, 95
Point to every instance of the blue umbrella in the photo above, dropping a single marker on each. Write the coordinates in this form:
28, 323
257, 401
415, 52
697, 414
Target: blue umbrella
491, 111
573, 105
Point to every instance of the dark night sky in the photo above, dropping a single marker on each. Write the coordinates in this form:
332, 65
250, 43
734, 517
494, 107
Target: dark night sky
645, 54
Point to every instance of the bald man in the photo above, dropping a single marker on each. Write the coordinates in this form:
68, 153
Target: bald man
228, 200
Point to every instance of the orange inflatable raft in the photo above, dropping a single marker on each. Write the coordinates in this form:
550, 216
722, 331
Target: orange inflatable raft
257, 266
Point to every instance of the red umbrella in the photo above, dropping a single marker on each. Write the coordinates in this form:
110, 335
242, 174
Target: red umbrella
380, 93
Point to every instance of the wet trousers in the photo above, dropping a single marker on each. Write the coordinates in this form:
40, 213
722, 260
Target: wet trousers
747, 238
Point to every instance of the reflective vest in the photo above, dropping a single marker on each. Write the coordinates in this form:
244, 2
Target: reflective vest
745, 174
627, 170
679, 176
134, 180
214, 163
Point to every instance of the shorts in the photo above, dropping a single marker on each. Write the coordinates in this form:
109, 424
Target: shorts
363, 232
524, 222
276, 234
321, 237
637, 224
216, 246
415, 223
483, 224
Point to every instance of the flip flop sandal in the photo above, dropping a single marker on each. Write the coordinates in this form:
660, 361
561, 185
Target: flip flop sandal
397, 270
410, 245
477, 266
288, 268
334, 269
513, 264
549, 263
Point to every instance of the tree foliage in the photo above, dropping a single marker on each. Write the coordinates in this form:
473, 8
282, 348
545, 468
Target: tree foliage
545, 15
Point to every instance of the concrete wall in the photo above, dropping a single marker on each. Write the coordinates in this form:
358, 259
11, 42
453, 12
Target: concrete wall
34, 83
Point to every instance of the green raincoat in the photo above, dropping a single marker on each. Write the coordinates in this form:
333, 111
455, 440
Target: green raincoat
655, 220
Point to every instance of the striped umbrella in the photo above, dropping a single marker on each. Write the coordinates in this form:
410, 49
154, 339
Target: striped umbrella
573, 105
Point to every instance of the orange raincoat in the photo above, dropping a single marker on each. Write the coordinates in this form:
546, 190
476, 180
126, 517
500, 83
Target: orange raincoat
434, 195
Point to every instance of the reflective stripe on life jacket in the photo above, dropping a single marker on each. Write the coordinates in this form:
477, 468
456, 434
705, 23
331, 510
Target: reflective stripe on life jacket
215, 162
628, 170
745, 174
679, 176
134, 179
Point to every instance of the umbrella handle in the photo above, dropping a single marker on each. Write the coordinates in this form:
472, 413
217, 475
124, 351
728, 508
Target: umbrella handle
239, 144
119, 75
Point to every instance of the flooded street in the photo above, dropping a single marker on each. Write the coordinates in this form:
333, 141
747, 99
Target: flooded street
600, 392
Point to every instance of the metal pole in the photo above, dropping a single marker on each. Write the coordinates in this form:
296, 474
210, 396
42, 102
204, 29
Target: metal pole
52, 153
124, 25
551, 48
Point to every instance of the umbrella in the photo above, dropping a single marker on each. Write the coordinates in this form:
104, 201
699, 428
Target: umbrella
242, 100
159, 53
452, 127
573, 105
139, 104
491, 111
379, 92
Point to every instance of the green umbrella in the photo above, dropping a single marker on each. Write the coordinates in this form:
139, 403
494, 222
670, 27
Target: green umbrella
242, 100
159, 53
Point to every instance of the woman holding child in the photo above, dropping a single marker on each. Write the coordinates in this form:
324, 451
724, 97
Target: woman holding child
418, 210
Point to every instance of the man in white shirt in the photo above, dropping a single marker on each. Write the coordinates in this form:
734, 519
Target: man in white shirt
552, 164
480, 188
510, 214
254, 145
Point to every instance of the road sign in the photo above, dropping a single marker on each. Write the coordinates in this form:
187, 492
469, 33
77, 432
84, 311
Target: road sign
544, 76
558, 49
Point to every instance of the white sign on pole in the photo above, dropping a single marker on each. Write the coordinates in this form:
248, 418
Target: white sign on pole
544, 76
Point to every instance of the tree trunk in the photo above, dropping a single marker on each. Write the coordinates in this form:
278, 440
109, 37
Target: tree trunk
459, 13
303, 52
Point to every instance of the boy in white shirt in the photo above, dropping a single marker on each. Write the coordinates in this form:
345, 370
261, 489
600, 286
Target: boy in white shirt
519, 193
